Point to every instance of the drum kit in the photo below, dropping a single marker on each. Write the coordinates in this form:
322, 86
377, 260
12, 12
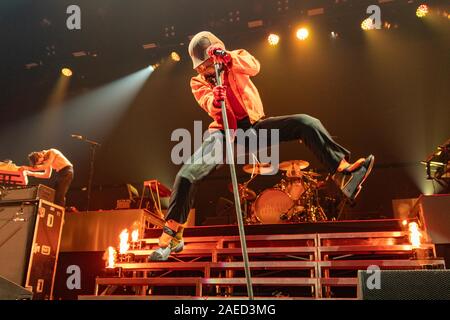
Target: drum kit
294, 199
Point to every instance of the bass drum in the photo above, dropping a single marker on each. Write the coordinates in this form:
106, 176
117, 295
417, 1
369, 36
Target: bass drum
271, 204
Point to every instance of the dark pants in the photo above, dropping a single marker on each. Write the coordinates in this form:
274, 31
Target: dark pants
64, 178
292, 127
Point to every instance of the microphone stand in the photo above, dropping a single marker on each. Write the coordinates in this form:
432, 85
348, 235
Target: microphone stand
93, 147
237, 200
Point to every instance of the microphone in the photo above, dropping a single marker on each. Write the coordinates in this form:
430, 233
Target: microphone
219, 52
76, 136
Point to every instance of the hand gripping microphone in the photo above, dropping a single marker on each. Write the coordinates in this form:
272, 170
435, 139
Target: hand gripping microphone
220, 53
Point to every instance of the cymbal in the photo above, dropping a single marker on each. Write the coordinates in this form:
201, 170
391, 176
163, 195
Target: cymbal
293, 165
246, 193
258, 168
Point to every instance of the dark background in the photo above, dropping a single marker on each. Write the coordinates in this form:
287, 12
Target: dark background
383, 92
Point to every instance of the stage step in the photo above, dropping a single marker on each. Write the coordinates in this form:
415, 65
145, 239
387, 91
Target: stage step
306, 247
277, 265
214, 254
317, 264
214, 267
199, 283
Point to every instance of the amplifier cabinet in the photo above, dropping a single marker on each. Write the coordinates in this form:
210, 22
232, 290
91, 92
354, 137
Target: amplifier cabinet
26, 193
30, 236
17, 222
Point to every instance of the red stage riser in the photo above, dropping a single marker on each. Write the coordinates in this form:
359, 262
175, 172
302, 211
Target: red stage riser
279, 262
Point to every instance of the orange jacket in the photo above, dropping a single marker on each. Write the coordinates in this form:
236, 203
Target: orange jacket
243, 66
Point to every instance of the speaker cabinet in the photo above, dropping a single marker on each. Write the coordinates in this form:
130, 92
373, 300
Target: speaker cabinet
30, 234
16, 237
404, 285
27, 193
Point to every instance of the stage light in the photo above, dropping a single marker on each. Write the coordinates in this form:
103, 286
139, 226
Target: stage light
153, 67
334, 35
175, 56
273, 39
302, 34
422, 11
367, 24
66, 72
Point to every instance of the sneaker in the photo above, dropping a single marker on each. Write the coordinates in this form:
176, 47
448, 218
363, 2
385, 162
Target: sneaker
350, 182
160, 254
178, 247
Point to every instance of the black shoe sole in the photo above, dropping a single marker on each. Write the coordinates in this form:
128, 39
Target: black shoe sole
353, 187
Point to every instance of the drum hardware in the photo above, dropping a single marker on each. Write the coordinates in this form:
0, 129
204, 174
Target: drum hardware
293, 168
258, 168
246, 195
295, 198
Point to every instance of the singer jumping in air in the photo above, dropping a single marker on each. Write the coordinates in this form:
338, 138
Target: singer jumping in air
245, 110
42, 165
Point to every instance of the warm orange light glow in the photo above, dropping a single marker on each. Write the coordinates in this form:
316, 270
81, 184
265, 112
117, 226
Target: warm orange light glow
367, 24
302, 34
414, 234
135, 235
273, 39
175, 56
154, 66
124, 245
405, 222
422, 11
111, 257
66, 72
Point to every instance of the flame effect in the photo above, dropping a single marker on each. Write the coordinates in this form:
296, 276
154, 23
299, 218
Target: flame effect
414, 235
124, 245
111, 257
135, 235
